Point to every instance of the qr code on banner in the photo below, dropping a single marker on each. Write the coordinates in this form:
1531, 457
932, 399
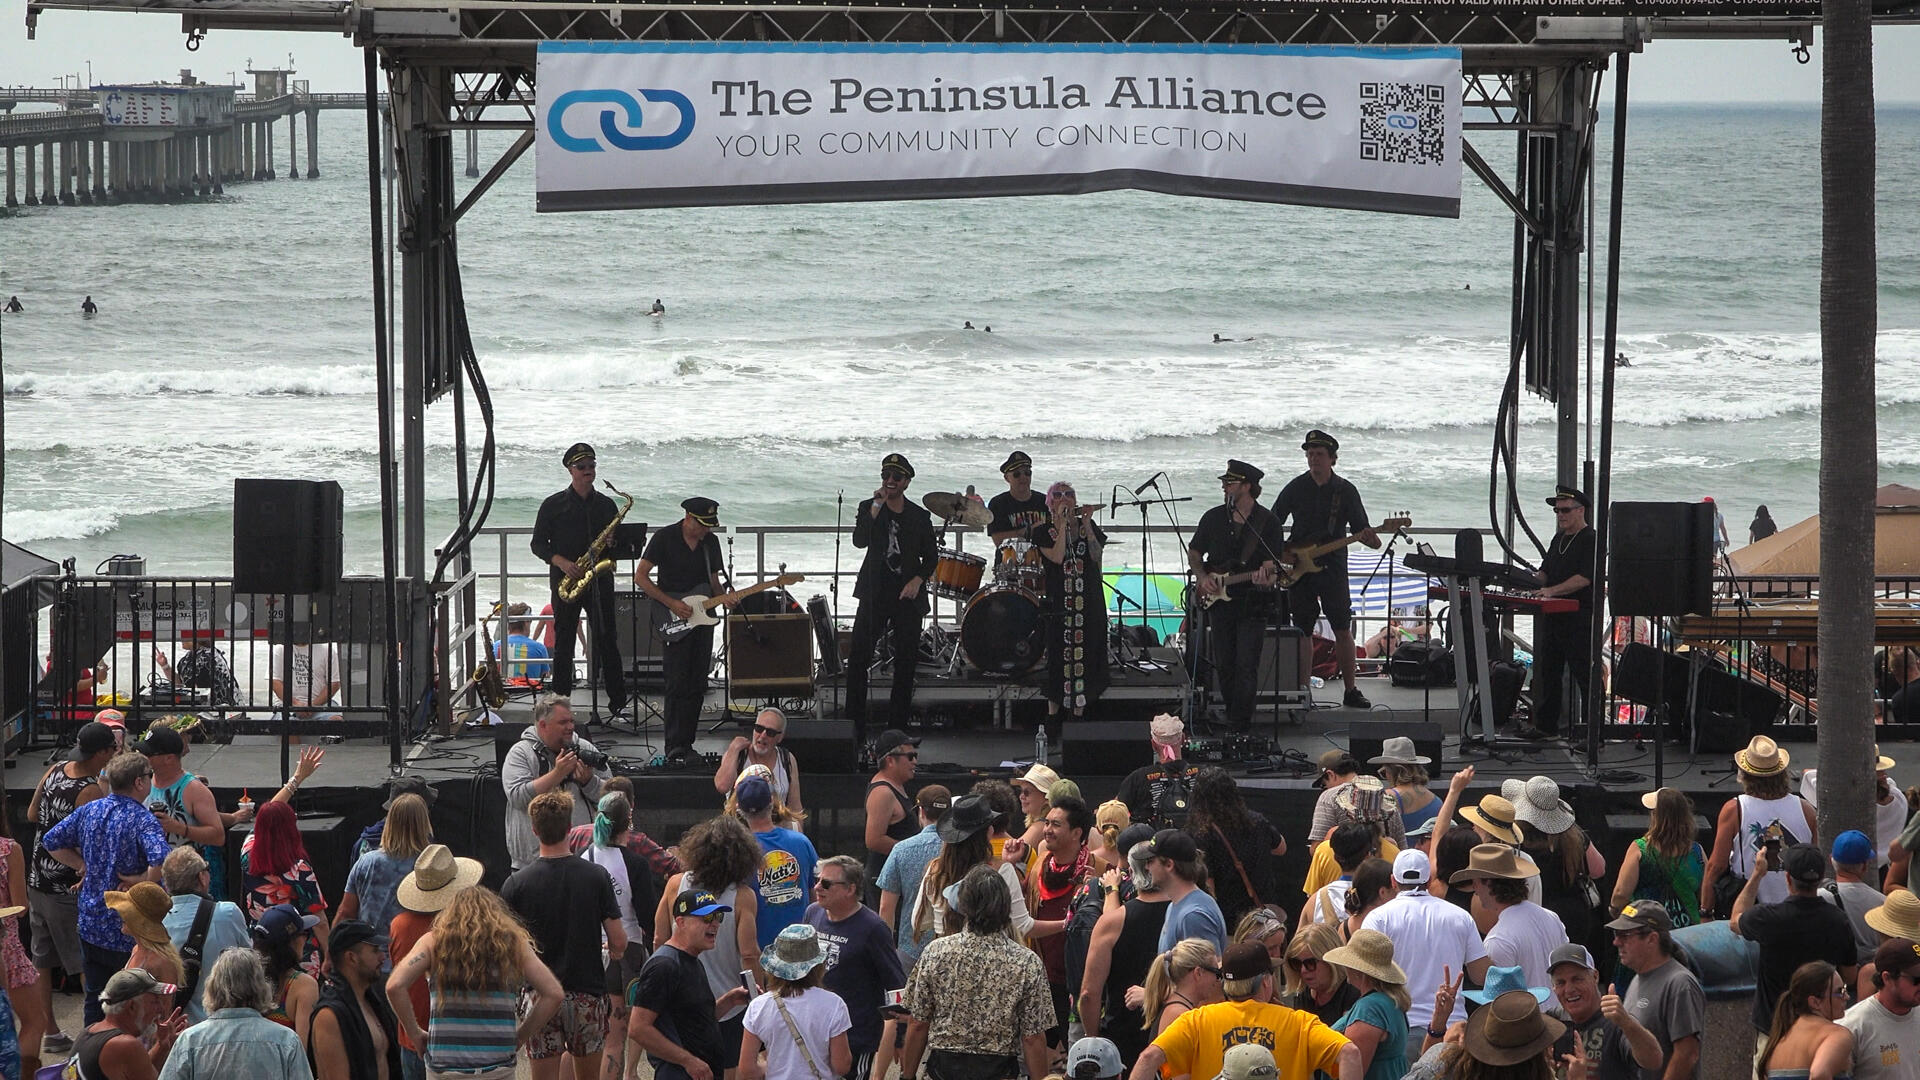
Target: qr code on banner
1403, 123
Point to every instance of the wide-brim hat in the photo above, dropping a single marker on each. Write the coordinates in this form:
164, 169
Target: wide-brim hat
1881, 762
1494, 861
1040, 778
142, 910
437, 877
1370, 953
1495, 814
1539, 805
794, 952
1503, 980
1364, 799
1399, 750
1511, 1029
1898, 917
1762, 757
968, 815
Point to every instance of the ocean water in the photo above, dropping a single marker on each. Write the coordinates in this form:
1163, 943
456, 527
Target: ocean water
802, 343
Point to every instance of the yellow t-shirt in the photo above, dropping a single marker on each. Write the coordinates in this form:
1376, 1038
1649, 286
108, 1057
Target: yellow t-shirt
1324, 869
1197, 1041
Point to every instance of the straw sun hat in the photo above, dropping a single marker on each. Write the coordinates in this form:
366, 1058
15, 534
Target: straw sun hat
1370, 953
1762, 757
1899, 917
436, 879
1496, 816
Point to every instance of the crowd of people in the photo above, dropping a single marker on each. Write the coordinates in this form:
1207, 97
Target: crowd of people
1010, 929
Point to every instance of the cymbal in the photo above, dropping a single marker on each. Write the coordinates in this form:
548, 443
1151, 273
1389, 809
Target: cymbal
948, 506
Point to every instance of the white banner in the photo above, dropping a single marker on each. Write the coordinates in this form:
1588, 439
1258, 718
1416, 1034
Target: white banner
624, 125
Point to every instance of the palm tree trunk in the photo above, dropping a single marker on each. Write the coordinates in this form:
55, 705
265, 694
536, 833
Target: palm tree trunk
1848, 446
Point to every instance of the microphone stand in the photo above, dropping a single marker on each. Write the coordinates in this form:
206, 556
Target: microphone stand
833, 587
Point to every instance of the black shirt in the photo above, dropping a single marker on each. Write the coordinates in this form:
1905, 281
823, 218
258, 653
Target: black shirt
1165, 786
1335, 1008
680, 570
1010, 513
567, 524
1321, 512
1056, 572
899, 547
1905, 706
565, 900
1790, 933
1568, 556
1229, 546
673, 986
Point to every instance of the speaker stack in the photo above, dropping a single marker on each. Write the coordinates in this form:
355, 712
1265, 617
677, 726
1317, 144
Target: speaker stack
1660, 558
286, 536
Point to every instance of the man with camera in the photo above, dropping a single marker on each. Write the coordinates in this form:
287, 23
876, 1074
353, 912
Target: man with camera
1799, 929
547, 757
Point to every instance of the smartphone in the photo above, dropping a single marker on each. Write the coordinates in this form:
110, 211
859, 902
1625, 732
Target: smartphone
895, 1004
747, 983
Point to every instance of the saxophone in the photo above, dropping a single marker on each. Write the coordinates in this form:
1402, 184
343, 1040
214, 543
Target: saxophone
591, 565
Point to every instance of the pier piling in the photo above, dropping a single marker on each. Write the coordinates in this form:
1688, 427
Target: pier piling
12, 199
313, 139
66, 173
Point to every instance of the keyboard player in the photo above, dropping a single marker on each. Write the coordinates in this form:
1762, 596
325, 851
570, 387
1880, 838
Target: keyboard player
1561, 641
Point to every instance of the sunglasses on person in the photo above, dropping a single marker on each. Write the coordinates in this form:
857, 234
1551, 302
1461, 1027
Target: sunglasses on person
771, 733
1218, 973
827, 883
890, 474
911, 755
1566, 509
1304, 963
1021, 472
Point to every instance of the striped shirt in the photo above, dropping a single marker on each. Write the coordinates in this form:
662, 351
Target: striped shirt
472, 1029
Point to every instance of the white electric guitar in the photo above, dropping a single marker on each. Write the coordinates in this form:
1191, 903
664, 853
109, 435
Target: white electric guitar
704, 606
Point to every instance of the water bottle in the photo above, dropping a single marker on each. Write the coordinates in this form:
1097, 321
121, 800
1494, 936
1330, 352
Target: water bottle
1316, 681
1040, 745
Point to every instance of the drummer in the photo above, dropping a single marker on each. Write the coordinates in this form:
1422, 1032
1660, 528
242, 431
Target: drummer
1019, 508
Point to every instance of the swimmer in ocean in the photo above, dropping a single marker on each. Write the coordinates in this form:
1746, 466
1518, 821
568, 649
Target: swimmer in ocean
968, 325
88, 307
13, 306
1217, 339
658, 309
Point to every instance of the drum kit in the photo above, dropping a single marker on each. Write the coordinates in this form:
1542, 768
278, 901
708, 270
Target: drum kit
1002, 621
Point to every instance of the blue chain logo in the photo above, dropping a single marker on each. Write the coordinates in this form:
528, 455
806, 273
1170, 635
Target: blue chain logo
610, 124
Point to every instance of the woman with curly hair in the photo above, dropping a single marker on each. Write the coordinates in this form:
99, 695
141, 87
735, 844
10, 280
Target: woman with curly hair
476, 957
1240, 845
723, 858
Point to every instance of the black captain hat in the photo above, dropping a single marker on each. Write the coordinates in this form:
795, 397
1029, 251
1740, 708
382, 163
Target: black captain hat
1241, 471
1565, 491
576, 454
704, 511
1017, 459
1316, 437
897, 463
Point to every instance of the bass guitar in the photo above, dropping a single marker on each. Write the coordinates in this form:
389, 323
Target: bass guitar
1297, 561
703, 606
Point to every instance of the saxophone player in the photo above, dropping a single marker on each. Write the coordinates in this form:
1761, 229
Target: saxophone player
569, 521
680, 562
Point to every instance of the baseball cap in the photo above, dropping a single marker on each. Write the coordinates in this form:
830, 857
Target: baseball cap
1569, 954
162, 740
1176, 845
697, 904
129, 983
283, 922
94, 737
1642, 915
1248, 1061
1804, 863
1852, 847
1247, 960
753, 794
1094, 1058
350, 932
1896, 956
1411, 867
891, 738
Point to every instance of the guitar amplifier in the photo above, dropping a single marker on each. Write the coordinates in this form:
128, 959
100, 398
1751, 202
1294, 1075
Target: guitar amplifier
770, 655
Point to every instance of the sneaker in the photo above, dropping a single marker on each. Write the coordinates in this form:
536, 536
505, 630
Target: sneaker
58, 1044
1357, 700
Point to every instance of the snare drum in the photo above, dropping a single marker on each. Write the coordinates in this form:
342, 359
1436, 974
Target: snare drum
1002, 632
957, 574
1017, 561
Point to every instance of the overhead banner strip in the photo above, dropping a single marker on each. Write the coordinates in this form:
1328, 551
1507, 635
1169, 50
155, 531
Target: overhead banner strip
637, 125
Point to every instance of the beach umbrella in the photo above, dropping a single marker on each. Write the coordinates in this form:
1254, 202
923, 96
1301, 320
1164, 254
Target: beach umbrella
1159, 603
1380, 583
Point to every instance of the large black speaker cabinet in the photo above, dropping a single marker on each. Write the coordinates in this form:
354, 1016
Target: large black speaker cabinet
822, 745
1286, 659
1364, 738
1107, 748
286, 536
1650, 676
1660, 558
637, 620
770, 656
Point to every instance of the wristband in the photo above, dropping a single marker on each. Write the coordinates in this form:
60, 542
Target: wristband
1432, 1034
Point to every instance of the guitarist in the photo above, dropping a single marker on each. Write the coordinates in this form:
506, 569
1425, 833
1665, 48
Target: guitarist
1326, 507
1237, 537
564, 529
680, 562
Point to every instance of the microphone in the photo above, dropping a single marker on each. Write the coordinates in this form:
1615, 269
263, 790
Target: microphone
1152, 481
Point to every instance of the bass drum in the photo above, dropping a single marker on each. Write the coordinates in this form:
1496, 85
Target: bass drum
1003, 631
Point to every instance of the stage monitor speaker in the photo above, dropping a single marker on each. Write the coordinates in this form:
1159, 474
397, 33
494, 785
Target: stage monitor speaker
823, 745
1286, 659
1648, 676
637, 620
286, 536
770, 656
1364, 738
504, 736
1660, 558
1108, 748
1753, 706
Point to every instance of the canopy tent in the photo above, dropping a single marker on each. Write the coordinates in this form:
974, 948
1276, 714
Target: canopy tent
1796, 548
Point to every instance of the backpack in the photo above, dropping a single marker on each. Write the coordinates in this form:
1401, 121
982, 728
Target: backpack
1171, 792
1421, 663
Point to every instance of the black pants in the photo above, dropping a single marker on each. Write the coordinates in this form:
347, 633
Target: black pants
99, 964
1559, 653
684, 666
597, 605
1236, 631
877, 617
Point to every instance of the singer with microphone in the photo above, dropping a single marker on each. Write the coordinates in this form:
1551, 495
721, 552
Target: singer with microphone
1076, 606
1239, 538
547, 757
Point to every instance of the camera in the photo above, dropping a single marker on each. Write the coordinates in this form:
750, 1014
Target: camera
1772, 837
593, 759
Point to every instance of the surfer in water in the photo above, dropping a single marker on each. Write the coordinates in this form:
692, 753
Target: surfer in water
658, 309
13, 306
968, 325
88, 307
1218, 340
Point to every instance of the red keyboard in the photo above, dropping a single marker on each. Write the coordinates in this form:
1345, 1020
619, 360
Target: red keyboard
1512, 601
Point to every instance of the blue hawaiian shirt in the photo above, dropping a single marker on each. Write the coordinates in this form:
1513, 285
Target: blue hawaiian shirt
116, 837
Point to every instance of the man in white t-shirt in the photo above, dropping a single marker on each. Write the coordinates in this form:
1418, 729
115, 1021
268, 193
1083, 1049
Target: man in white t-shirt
1889, 803
1886, 1029
1449, 942
316, 679
1524, 934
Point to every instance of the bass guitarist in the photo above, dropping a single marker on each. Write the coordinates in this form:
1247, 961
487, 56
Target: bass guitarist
1323, 507
1239, 538
569, 521
680, 562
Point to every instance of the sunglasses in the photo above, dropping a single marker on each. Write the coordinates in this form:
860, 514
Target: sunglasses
1565, 509
1304, 963
1020, 472
1218, 973
771, 733
911, 755
582, 466
823, 883
890, 475
1629, 935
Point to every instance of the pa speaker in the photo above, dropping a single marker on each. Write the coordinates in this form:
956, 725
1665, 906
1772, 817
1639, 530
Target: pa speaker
637, 620
1107, 748
286, 536
1286, 659
1364, 738
1650, 676
825, 745
770, 655
1660, 558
